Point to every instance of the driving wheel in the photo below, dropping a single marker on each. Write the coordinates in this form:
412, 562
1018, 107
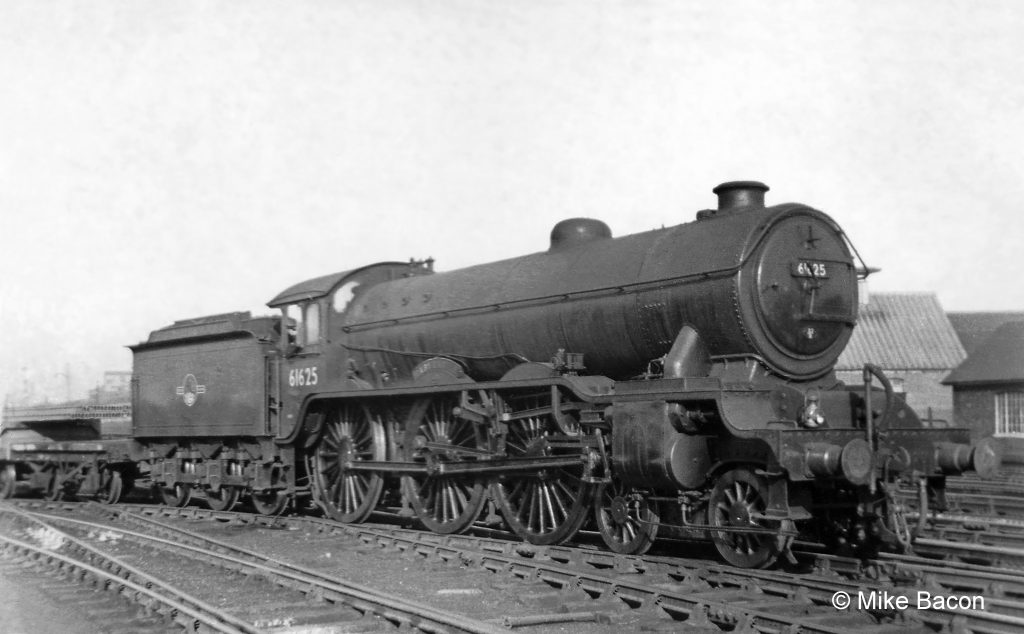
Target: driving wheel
433, 435
549, 505
350, 435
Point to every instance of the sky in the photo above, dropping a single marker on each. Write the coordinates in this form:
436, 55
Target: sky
167, 160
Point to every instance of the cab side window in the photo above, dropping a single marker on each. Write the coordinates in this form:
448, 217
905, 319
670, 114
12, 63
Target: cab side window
303, 326
312, 324
293, 325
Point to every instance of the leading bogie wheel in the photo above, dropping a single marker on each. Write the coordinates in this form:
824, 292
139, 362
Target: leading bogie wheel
443, 503
738, 501
351, 434
626, 519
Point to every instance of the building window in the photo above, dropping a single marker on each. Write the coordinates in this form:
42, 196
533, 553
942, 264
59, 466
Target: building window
1010, 414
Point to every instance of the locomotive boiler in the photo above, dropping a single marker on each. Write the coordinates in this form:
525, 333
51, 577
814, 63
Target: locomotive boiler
678, 381
777, 285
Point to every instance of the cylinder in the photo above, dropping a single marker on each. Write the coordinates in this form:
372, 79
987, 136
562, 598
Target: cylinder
986, 458
952, 458
823, 459
857, 461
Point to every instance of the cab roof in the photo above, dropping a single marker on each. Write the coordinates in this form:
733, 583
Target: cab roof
310, 289
323, 285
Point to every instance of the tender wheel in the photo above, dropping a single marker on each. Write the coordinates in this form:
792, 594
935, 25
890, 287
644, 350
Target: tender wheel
270, 502
550, 505
177, 495
55, 485
224, 499
8, 481
738, 500
111, 487
350, 435
445, 504
628, 522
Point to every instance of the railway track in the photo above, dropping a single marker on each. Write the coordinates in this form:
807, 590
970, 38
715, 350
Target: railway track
87, 565
613, 591
968, 494
812, 588
983, 540
342, 603
988, 505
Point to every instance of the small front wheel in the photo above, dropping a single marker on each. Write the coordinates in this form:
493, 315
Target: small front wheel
627, 520
738, 502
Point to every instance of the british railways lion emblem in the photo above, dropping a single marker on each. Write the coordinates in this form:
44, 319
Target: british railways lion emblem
190, 390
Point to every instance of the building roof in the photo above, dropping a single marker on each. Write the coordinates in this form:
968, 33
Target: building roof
999, 359
974, 328
903, 331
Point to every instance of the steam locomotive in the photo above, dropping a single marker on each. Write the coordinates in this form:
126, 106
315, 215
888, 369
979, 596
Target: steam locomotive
678, 380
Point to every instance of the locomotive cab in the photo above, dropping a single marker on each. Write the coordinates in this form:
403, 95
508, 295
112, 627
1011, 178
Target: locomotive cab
315, 357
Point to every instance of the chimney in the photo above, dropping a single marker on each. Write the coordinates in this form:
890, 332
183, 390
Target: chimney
736, 195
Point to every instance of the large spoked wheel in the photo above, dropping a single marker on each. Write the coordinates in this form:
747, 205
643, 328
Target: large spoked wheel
547, 506
177, 495
224, 499
111, 487
627, 520
739, 500
270, 502
350, 435
445, 504
8, 481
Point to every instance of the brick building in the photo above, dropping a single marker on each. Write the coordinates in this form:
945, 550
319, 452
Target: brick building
910, 337
988, 389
